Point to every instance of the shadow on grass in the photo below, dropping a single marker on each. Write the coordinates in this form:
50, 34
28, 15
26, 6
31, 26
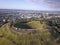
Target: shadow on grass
22, 26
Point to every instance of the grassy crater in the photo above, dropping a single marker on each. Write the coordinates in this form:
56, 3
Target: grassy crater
29, 25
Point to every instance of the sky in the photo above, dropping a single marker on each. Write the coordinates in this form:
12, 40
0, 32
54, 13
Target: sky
30, 4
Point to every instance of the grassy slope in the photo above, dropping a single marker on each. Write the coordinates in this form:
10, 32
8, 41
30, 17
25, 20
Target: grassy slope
8, 37
35, 25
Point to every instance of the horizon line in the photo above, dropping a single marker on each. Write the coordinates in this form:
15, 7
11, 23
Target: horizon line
26, 9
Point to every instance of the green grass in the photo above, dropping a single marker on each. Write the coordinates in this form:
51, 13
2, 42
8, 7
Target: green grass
4, 41
36, 25
11, 37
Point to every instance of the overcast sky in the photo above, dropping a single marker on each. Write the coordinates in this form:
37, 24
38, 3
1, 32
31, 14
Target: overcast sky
30, 4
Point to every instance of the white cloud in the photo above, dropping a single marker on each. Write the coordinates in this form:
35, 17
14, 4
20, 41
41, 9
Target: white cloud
53, 4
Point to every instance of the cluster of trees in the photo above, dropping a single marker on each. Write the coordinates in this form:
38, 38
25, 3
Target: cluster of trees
54, 22
54, 28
